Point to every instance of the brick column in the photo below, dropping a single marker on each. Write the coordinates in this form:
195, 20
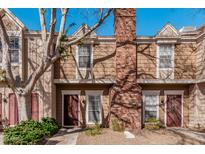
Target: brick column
126, 93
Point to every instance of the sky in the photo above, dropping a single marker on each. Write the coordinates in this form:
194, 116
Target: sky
149, 21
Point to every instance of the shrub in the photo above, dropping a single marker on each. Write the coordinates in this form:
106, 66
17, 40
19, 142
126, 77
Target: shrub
153, 123
27, 132
94, 130
30, 132
50, 126
117, 125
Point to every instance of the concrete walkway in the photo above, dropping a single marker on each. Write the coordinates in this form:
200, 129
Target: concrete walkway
64, 137
1, 138
189, 134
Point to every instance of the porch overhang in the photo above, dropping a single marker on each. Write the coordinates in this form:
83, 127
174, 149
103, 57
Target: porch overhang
166, 81
84, 81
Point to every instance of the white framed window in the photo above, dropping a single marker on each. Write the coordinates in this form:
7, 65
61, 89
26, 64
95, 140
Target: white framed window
150, 104
93, 107
84, 56
13, 48
165, 61
165, 56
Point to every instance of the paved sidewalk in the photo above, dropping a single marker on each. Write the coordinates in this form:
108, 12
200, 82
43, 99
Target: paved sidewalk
64, 137
190, 134
1, 138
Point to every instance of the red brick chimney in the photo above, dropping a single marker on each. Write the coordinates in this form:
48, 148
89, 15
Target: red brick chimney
126, 93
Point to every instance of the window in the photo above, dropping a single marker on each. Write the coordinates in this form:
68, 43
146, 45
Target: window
165, 56
84, 56
93, 107
150, 106
13, 48
150, 103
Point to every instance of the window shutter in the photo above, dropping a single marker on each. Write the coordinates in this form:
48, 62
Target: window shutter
13, 109
35, 106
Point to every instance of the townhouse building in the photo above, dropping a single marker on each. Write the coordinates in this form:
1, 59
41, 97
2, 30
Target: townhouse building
76, 90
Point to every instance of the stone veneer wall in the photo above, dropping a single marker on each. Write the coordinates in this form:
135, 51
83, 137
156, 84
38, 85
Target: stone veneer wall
126, 94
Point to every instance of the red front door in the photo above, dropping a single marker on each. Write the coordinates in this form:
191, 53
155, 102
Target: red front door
71, 110
174, 109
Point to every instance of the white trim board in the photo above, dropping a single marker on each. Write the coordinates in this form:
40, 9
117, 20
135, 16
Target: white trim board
70, 92
174, 92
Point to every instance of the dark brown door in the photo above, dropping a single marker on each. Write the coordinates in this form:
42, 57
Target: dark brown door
71, 110
34, 106
174, 110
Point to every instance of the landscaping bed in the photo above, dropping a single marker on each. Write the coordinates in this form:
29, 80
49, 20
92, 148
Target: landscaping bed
144, 136
30, 132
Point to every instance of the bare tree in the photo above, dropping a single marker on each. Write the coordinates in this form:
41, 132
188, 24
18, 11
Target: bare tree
23, 89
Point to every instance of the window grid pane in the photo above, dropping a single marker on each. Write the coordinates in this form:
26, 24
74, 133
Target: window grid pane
94, 108
84, 55
165, 56
150, 102
13, 49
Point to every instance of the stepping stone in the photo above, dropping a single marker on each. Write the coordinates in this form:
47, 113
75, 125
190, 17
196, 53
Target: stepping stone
128, 135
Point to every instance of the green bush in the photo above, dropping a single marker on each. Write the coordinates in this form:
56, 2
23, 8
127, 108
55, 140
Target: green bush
50, 126
94, 130
117, 125
153, 123
30, 132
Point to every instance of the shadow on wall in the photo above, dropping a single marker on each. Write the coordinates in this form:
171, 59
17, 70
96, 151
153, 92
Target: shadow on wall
43, 85
185, 61
102, 67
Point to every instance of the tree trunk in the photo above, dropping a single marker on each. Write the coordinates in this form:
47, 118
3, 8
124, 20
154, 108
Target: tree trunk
24, 106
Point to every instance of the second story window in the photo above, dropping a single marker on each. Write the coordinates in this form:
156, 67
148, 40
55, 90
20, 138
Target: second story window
13, 48
165, 61
165, 56
84, 56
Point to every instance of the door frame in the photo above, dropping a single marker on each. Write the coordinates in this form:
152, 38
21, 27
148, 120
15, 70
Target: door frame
70, 92
174, 92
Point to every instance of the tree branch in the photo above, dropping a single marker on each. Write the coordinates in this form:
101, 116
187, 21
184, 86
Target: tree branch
100, 21
43, 24
52, 30
62, 28
6, 58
